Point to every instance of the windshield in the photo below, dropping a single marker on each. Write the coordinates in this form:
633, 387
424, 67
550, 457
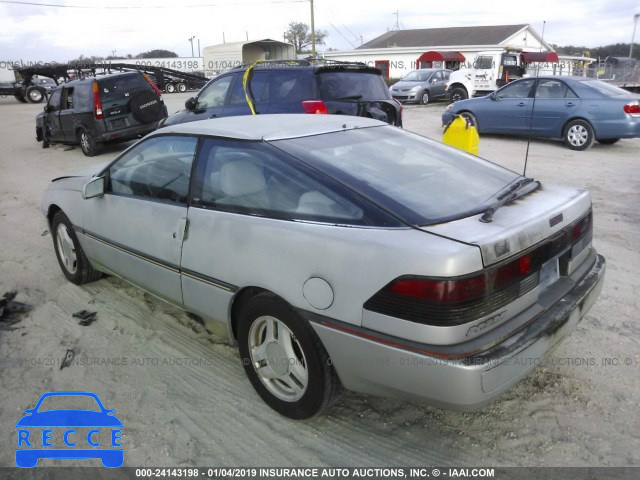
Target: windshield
606, 89
420, 181
417, 76
353, 85
64, 402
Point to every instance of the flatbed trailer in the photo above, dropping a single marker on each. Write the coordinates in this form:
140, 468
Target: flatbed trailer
166, 79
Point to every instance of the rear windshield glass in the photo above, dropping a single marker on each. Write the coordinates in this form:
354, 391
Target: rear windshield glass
352, 86
420, 181
606, 89
121, 86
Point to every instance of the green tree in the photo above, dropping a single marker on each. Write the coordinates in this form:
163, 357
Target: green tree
299, 35
158, 53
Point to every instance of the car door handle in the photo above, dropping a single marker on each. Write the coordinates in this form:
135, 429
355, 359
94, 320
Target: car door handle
522, 104
570, 104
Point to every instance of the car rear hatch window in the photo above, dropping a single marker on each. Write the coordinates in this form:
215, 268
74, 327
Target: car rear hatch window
358, 93
419, 181
119, 88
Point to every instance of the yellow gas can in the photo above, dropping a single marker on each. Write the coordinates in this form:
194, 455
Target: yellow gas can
461, 134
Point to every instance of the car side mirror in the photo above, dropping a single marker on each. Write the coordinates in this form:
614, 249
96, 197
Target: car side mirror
190, 104
493, 96
94, 188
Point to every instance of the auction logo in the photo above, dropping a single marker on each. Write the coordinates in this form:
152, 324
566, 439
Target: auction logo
87, 431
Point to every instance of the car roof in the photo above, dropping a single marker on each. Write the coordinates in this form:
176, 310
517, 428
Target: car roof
271, 127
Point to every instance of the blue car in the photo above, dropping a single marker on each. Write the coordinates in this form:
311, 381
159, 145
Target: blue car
577, 110
36, 439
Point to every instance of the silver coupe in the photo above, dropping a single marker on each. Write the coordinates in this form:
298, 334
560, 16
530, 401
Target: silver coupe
339, 252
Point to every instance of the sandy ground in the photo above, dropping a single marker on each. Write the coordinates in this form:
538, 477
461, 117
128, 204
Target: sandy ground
184, 399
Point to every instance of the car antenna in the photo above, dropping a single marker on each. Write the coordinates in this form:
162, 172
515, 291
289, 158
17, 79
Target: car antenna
533, 104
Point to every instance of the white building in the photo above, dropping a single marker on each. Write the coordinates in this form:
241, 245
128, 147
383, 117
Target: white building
225, 56
398, 52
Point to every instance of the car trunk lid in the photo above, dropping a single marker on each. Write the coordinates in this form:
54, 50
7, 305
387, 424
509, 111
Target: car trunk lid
518, 226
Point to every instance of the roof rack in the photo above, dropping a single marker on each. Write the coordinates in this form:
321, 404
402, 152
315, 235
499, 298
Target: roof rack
303, 62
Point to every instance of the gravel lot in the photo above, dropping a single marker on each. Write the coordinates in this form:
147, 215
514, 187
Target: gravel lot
582, 408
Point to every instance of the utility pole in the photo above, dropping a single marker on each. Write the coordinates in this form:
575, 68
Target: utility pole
191, 42
199, 48
313, 33
633, 35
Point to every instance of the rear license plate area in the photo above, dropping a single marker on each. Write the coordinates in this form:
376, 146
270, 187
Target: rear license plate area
549, 273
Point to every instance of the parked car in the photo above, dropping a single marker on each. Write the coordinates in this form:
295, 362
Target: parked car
339, 252
421, 86
578, 110
47, 83
97, 110
294, 87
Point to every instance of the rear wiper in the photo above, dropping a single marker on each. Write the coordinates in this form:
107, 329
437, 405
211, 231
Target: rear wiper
507, 196
350, 97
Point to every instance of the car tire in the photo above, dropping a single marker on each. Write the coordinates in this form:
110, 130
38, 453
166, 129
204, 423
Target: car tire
284, 359
470, 118
87, 143
578, 135
608, 141
38, 134
457, 94
19, 97
35, 95
423, 99
71, 257
182, 87
45, 139
170, 88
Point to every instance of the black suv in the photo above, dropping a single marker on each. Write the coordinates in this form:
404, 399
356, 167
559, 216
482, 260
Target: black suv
294, 87
96, 110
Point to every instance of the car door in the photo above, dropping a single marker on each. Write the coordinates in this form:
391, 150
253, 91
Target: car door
436, 84
508, 110
52, 117
237, 102
136, 229
66, 114
210, 102
555, 102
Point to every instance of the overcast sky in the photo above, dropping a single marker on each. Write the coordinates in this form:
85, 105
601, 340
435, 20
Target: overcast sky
50, 33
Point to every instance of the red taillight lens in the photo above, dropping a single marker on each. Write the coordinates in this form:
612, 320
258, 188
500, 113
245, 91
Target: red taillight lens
157, 90
315, 106
440, 290
632, 109
581, 228
97, 106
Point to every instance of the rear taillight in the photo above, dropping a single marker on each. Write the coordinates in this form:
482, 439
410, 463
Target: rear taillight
632, 109
97, 106
315, 106
458, 300
155, 88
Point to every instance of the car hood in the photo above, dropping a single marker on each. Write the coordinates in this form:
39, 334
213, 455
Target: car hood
86, 172
69, 418
523, 223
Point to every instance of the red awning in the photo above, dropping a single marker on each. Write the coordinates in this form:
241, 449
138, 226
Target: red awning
540, 57
433, 56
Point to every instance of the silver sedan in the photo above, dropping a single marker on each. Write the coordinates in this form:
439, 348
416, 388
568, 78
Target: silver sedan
339, 252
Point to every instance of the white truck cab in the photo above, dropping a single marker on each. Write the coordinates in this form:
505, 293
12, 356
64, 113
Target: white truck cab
489, 71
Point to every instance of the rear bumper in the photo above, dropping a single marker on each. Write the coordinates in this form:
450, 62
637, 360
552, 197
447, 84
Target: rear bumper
369, 362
